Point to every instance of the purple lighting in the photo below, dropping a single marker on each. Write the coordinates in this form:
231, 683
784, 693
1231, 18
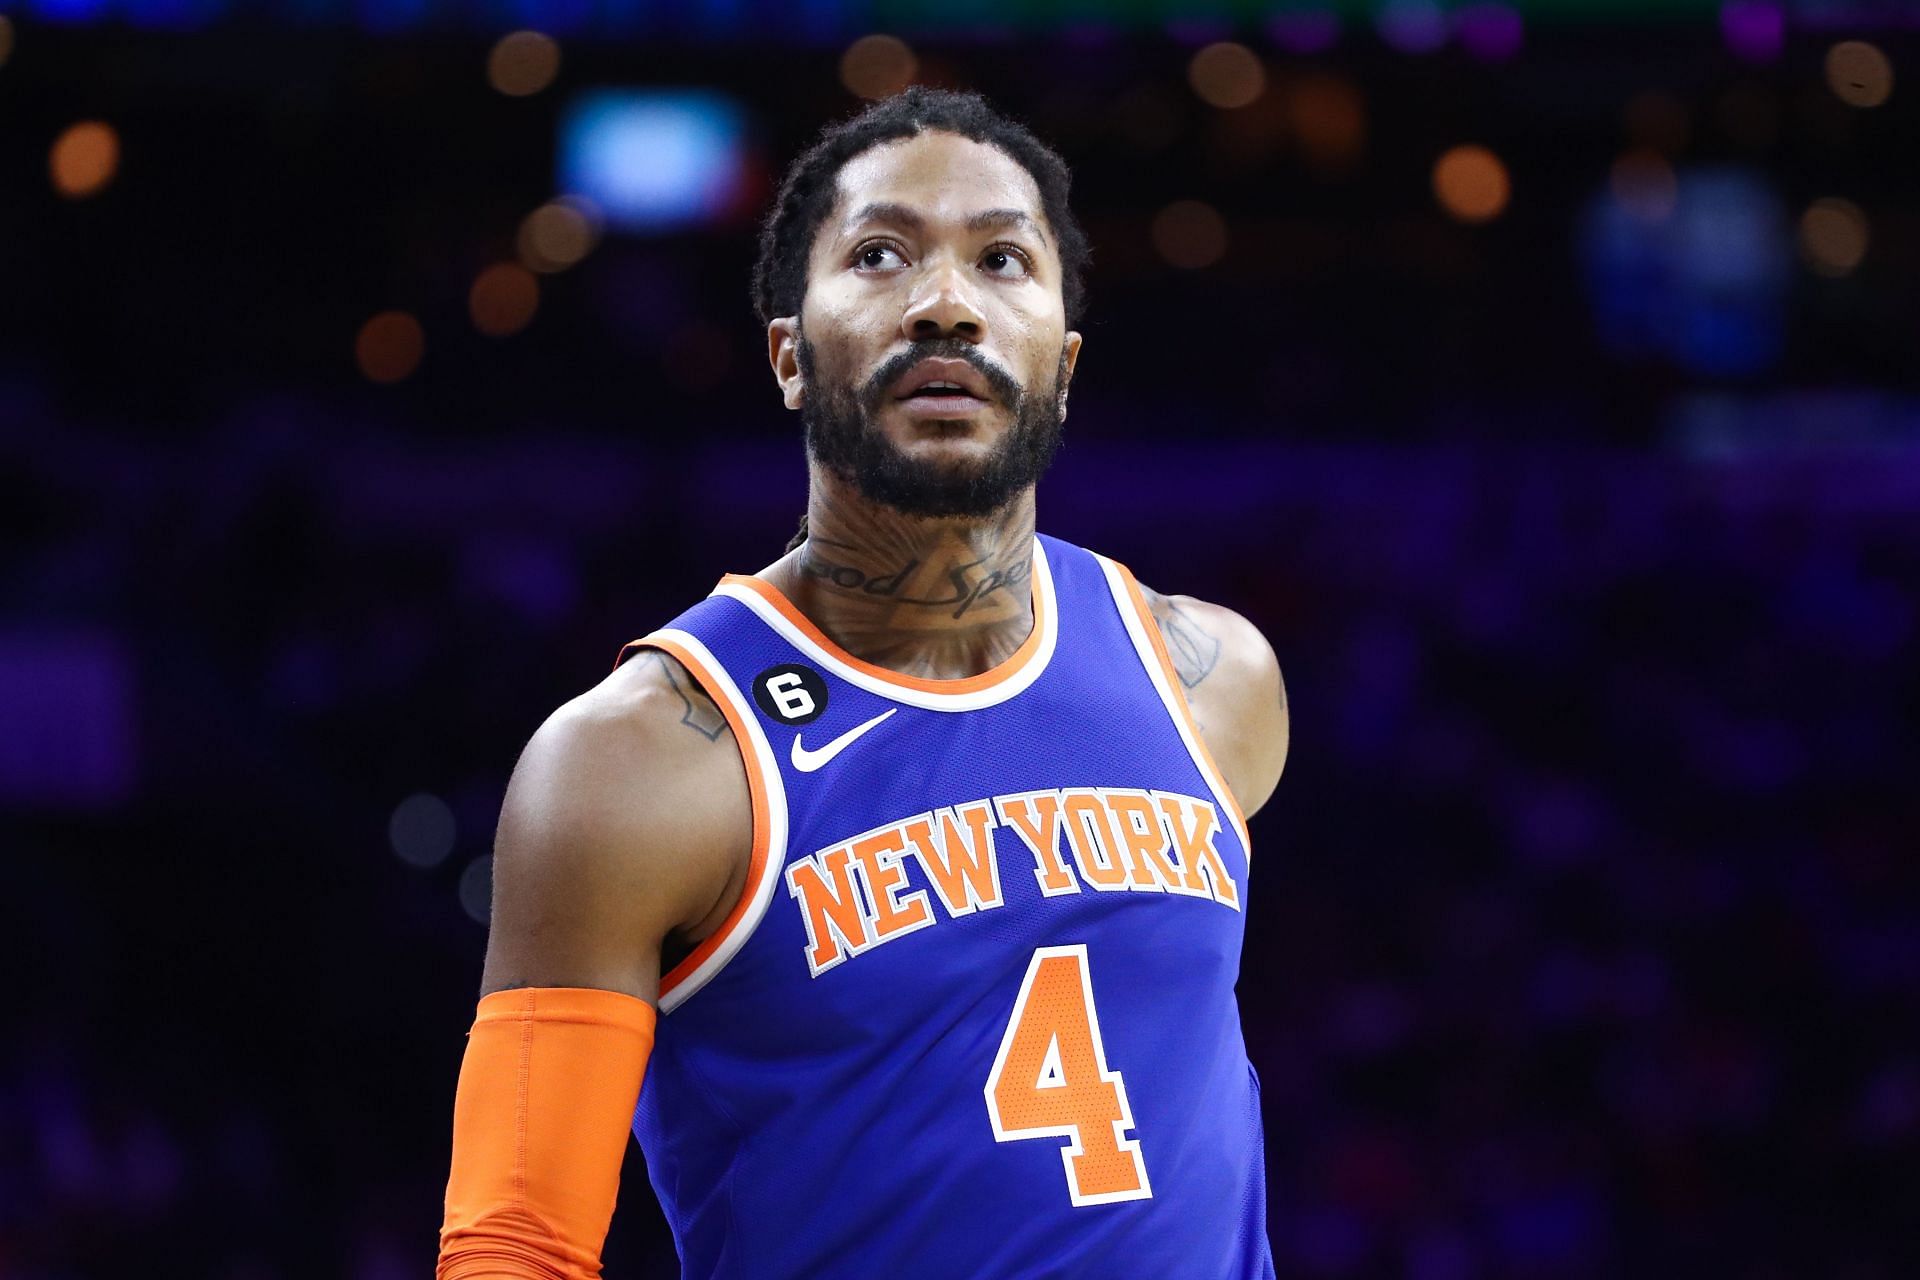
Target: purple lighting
1314, 31
70, 704
1755, 30
1490, 32
1412, 26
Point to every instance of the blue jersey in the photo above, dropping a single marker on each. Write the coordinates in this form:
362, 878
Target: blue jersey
973, 1015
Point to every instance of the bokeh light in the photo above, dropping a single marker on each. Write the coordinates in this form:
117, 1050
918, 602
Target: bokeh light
1412, 26
1859, 74
84, 159
1490, 32
1644, 184
1190, 234
1329, 117
655, 160
1704, 288
476, 889
1471, 183
523, 63
558, 234
6, 39
1833, 237
389, 346
421, 830
503, 299
1755, 30
1227, 75
877, 66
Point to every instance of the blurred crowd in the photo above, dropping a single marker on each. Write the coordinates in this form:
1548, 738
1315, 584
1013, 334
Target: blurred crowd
1582, 938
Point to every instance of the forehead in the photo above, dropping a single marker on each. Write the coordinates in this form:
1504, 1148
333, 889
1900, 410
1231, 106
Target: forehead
941, 175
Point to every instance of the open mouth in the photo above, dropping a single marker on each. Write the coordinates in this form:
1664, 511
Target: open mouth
938, 385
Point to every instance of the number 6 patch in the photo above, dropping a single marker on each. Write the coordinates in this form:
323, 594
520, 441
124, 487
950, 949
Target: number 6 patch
790, 693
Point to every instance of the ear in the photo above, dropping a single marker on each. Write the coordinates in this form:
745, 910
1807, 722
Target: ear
1072, 352
783, 353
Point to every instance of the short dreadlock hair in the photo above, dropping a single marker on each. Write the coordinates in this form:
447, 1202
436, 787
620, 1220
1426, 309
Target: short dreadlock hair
807, 192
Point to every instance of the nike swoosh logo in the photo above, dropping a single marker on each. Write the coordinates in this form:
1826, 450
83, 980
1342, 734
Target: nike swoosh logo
807, 761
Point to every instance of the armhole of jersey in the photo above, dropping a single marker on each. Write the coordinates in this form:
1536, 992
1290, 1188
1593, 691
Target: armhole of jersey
1151, 646
769, 816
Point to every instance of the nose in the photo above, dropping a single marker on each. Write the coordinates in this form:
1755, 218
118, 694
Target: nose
942, 305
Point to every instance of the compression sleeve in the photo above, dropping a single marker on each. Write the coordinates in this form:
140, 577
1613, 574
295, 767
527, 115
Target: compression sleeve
540, 1120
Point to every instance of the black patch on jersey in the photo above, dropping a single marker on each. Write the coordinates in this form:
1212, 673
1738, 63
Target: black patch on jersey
790, 693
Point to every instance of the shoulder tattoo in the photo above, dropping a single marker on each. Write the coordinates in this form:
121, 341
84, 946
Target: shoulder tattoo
1195, 650
698, 711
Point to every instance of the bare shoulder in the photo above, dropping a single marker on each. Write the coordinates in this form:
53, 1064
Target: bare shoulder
626, 827
1232, 681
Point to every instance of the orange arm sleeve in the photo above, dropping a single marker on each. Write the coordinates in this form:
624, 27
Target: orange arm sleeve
540, 1120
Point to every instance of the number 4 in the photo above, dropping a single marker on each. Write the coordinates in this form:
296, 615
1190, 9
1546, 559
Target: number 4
1051, 1080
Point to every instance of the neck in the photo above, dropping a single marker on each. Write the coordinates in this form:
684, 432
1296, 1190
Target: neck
938, 598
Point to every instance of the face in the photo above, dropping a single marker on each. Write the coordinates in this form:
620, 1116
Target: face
937, 250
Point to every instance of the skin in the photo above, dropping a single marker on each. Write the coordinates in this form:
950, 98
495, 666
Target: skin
626, 830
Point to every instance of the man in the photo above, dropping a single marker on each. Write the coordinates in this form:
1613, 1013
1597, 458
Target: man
909, 871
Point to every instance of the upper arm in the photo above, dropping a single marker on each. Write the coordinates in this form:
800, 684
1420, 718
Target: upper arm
625, 825
1233, 685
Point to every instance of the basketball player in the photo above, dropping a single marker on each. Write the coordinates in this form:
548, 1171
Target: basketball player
911, 871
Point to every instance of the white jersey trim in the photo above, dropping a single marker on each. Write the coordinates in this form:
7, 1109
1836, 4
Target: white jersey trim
1143, 648
758, 756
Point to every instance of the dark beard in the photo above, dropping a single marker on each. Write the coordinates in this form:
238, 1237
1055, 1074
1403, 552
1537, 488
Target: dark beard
844, 437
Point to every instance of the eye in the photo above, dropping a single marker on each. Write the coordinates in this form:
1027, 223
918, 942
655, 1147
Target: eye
1006, 254
865, 254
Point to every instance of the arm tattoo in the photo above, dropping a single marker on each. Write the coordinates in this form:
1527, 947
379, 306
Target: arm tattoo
1195, 650
698, 710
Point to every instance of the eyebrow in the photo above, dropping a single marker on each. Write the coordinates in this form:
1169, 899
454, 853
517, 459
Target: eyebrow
984, 220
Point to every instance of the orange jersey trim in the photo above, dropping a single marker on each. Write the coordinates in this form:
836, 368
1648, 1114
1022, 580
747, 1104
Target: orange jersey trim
756, 787
1006, 670
1216, 777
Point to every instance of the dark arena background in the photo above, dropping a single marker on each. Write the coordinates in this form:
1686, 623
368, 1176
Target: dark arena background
1540, 376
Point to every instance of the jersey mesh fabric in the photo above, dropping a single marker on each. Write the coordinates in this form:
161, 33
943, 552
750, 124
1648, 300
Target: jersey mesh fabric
800, 1124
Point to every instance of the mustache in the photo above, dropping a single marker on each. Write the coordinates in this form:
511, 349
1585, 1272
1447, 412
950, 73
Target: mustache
1004, 385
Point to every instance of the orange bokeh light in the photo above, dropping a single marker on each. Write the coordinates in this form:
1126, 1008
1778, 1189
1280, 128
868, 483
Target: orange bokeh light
1834, 237
1329, 117
1190, 234
877, 66
1859, 74
84, 159
523, 63
503, 299
389, 346
1471, 183
1227, 75
558, 234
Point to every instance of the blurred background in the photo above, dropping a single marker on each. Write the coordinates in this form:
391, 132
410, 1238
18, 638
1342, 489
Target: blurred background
1538, 374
